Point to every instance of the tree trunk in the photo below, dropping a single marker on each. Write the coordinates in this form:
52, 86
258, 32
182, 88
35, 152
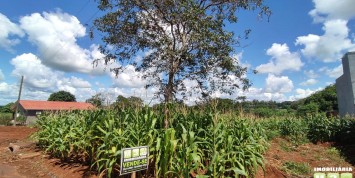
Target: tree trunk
168, 96
168, 92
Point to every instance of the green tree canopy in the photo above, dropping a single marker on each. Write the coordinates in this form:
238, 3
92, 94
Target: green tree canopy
186, 42
321, 101
8, 108
62, 96
97, 100
326, 99
307, 109
130, 102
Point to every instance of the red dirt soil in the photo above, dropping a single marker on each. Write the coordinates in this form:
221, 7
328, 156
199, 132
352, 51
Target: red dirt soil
10, 134
13, 166
316, 155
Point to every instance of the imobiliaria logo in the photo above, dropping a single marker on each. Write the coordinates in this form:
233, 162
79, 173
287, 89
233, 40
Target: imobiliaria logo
333, 172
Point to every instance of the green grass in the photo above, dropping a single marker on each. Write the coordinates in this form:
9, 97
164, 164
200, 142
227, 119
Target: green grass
335, 155
333, 151
285, 146
295, 168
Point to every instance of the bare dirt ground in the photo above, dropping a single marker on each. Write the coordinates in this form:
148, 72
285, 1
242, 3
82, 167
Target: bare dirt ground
314, 155
29, 162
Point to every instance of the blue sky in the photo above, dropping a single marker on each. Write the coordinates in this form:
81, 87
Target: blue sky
297, 52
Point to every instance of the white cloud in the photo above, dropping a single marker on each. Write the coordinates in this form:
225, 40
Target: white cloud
252, 93
34, 94
6, 88
311, 74
82, 94
2, 76
238, 60
8, 29
331, 45
79, 83
302, 93
110, 94
8, 93
274, 97
276, 84
281, 60
275, 89
309, 82
55, 34
40, 78
333, 73
128, 78
333, 9
35, 73
76, 82
330, 83
74, 85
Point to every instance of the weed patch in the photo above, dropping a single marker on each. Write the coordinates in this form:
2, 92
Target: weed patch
295, 168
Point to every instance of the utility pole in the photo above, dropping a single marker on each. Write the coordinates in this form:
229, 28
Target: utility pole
18, 101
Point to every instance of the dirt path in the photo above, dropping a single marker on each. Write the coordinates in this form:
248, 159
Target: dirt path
7, 171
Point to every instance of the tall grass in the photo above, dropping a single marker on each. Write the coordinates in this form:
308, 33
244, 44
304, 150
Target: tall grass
195, 144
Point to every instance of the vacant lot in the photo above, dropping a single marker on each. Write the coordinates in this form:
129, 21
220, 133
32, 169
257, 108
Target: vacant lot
282, 159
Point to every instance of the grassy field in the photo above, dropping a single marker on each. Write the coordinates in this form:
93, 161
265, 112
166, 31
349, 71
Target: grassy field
196, 143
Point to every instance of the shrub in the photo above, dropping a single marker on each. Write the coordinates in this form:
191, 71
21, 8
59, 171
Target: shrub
5, 118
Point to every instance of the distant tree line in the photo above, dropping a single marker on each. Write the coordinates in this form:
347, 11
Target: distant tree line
320, 102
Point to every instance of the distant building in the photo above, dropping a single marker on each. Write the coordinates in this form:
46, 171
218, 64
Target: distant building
30, 108
345, 86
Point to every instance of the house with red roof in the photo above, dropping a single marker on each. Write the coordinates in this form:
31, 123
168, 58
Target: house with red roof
31, 108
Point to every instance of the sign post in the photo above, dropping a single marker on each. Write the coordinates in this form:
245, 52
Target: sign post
134, 159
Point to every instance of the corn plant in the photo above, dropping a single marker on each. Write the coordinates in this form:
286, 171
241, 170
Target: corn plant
188, 154
295, 129
197, 143
322, 129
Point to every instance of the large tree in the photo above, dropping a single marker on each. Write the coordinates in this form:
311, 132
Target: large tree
130, 102
185, 42
97, 100
62, 96
8, 108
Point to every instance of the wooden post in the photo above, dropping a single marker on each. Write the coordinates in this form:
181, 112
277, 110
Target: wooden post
18, 101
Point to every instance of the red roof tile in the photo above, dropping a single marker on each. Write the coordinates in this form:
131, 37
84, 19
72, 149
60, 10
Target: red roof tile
55, 105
